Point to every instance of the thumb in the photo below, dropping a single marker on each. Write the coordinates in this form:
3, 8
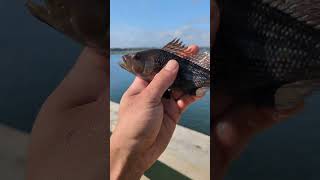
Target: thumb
163, 80
136, 87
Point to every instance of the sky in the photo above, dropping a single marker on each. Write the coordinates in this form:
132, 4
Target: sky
153, 23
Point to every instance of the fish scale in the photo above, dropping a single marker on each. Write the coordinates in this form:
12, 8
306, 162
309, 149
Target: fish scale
186, 67
263, 45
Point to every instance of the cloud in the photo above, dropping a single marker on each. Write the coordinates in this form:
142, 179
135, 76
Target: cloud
196, 32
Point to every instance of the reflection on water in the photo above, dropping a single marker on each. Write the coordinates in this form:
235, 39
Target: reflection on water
197, 117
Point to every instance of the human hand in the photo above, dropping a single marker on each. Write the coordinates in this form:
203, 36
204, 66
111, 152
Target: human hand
146, 123
234, 125
70, 135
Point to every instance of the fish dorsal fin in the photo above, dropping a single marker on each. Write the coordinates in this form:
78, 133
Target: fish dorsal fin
178, 48
307, 11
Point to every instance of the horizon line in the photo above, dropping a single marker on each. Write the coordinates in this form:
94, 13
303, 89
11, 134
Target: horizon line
147, 47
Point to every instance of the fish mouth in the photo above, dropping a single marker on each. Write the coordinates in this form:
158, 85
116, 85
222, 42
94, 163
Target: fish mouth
124, 63
132, 65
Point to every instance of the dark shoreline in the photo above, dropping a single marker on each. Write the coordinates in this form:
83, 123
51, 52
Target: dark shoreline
130, 50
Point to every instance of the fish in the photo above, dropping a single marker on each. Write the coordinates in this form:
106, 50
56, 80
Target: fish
193, 77
85, 21
267, 52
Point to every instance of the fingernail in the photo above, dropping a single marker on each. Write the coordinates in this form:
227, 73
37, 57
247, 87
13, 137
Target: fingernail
171, 65
226, 134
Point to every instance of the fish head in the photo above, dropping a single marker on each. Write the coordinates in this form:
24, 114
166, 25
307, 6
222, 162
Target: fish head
142, 63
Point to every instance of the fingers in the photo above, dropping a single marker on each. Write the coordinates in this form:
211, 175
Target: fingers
192, 50
136, 87
185, 101
162, 81
171, 118
177, 94
171, 110
231, 135
286, 113
235, 128
233, 131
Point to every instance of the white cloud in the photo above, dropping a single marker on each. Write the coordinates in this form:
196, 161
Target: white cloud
128, 36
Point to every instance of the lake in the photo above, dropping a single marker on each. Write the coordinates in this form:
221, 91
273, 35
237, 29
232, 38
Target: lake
197, 117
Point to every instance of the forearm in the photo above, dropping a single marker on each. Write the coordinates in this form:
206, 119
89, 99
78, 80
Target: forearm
67, 147
123, 164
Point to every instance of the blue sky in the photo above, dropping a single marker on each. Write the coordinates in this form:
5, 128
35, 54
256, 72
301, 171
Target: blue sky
152, 23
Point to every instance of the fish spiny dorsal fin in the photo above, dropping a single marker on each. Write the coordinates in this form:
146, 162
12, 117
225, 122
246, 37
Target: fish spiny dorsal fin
178, 48
175, 46
307, 11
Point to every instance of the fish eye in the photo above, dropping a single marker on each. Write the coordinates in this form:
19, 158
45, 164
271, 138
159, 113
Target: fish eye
137, 56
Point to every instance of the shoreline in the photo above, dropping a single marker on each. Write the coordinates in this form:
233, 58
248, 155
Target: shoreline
190, 158
130, 50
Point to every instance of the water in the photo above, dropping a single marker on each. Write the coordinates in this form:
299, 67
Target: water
197, 117
289, 150
33, 60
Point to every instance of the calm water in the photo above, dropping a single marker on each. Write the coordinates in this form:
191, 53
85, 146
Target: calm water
287, 151
197, 117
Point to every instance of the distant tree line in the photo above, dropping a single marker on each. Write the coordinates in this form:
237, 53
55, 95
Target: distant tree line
126, 50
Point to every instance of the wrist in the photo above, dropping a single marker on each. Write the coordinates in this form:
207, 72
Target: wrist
123, 163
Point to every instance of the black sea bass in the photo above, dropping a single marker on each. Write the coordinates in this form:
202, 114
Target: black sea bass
194, 71
268, 51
